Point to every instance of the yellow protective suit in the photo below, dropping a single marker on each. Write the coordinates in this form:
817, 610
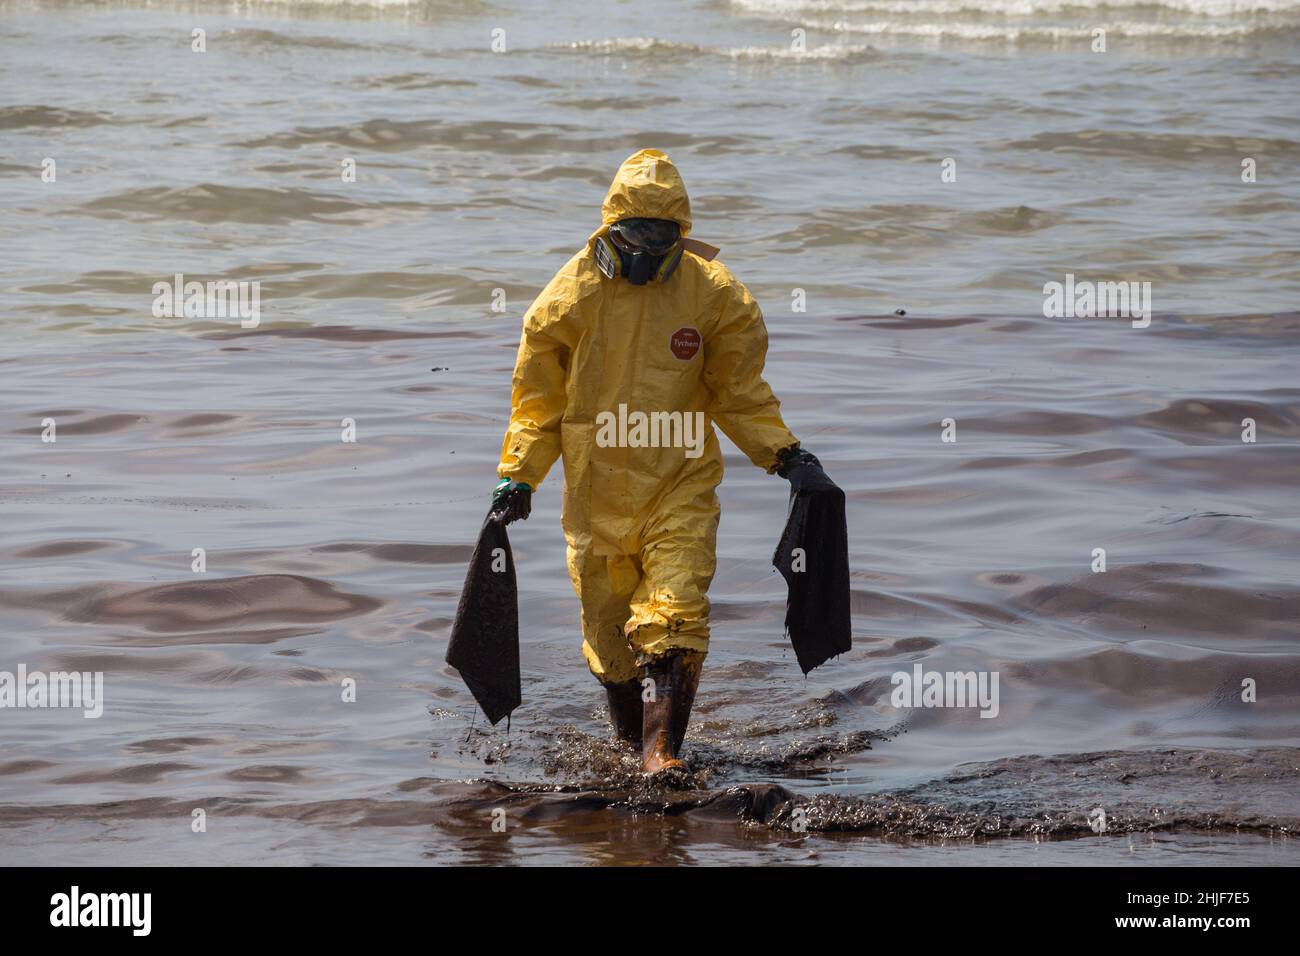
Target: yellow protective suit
641, 522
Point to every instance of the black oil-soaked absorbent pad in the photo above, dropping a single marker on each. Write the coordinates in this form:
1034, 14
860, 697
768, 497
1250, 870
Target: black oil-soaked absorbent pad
817, 612
484, 644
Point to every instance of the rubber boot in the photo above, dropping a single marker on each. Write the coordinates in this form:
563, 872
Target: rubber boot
625, 710
676, 677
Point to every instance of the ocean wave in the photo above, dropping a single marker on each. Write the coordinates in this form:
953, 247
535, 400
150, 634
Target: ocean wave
280, 9
38, 116
655, 47
432, 6
1054, 33
215, 202
1019, 8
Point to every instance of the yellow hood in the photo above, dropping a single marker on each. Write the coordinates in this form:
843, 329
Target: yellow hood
648, 186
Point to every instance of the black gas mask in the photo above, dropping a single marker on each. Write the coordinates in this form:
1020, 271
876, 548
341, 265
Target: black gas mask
640, 250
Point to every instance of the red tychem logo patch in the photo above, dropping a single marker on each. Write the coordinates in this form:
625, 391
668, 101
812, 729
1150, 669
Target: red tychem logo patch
685, 342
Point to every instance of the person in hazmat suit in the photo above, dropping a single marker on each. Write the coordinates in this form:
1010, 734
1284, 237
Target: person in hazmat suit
629, 355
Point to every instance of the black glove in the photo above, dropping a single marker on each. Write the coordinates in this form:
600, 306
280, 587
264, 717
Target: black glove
792, 458
512, 500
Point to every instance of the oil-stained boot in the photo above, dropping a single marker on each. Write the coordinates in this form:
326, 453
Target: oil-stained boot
676, 677
625, 710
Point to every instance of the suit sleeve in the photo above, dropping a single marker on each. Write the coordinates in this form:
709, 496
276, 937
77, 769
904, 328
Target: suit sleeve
743, 404
532, 440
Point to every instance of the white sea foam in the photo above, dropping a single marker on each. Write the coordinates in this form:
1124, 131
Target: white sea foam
954, 31
1036, 21
1016, 8
1018, 34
